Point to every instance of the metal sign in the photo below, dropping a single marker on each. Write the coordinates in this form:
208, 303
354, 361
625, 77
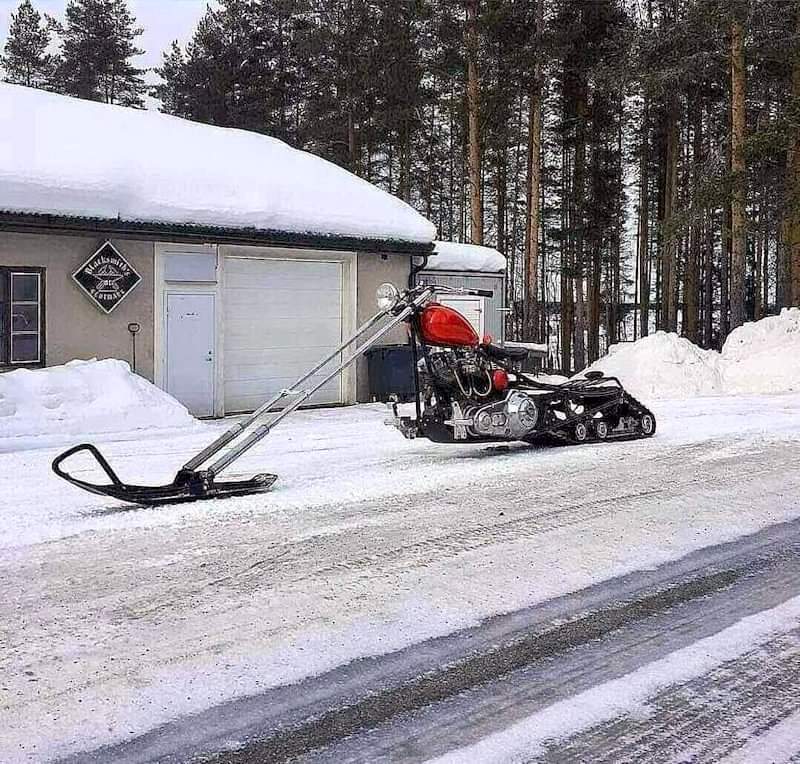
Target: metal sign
107, 278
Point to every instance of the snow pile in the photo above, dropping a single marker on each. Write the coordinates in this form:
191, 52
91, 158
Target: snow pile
65, 403
65, 156
764, 356
452, 256
759, 357
662, 365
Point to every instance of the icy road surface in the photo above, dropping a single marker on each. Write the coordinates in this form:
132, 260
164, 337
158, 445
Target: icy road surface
115, 620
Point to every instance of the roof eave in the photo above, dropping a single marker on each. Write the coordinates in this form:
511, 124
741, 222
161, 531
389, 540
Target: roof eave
181, 233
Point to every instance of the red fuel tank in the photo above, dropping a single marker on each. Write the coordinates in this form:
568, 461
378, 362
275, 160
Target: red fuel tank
442, 325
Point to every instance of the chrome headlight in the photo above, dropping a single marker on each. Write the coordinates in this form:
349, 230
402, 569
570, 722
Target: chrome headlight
387, 296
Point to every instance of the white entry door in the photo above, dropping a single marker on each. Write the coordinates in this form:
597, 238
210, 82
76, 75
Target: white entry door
190, 351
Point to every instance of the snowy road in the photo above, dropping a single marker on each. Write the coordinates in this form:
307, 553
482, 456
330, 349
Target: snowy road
705, 670
115, 622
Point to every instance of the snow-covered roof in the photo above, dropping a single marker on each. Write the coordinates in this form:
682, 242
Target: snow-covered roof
68, 157
452, 256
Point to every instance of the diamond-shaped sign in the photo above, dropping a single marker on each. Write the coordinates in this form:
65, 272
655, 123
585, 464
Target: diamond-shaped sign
107, 278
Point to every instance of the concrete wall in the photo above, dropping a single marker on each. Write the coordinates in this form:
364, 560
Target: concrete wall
374, 270
75, 327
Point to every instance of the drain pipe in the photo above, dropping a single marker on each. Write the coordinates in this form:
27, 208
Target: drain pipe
415, 269
412, 279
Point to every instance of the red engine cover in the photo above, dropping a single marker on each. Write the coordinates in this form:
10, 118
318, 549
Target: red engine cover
441, 325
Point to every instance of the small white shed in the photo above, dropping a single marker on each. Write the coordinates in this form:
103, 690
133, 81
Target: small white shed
473, 267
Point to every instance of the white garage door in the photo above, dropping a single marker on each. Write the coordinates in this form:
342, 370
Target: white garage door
281, 317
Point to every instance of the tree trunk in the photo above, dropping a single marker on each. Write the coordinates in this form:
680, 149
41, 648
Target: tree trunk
758, 267
724, 275
613, 310
669, 271
567, 267
783, 265
451, 227
708, 285
691, 286
530, 296
644, 224
792, 241
738, 195
578, 225
473, 116
531, 266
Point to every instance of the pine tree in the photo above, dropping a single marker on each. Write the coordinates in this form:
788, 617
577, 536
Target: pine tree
25, 58
387, 90
173, 90
97, 45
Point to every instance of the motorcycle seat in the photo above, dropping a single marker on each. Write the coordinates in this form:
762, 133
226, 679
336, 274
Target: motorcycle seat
503, 353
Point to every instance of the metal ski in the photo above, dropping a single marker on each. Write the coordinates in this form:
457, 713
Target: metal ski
192, 483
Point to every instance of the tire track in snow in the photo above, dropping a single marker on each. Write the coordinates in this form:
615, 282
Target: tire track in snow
705, 719
476, 535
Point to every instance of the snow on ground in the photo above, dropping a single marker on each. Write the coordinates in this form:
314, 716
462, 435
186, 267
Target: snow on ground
759, 357
781, 741
526, 740
63, 404
65, 156
662, 365
118, 619
764, 356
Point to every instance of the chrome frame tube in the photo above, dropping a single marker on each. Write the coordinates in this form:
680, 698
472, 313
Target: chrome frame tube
266, 428
301, 396
240, 427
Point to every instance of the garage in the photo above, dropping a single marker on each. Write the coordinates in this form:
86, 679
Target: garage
280, 317
221, 281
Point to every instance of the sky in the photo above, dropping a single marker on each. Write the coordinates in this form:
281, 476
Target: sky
163, 21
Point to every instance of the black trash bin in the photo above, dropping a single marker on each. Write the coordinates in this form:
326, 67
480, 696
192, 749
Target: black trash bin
391, 374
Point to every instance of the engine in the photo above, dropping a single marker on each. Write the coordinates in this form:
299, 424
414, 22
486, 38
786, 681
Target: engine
463, 373
514, 417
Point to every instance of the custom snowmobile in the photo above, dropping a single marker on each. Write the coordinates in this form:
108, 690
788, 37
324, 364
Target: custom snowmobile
468, 389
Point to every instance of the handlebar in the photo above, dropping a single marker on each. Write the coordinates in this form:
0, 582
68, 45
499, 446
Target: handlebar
441, 288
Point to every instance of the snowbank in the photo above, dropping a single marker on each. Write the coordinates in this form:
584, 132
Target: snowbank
65, 156
764, 356
662, 365
82, 398
452, 256
759, 357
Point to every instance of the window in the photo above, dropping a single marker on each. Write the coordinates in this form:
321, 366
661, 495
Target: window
22, 316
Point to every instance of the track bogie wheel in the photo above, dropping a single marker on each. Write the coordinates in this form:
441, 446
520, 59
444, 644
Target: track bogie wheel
601, 429
581, 432
647, 425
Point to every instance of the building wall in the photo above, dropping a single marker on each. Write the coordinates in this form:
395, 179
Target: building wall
374, 270
75, 327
